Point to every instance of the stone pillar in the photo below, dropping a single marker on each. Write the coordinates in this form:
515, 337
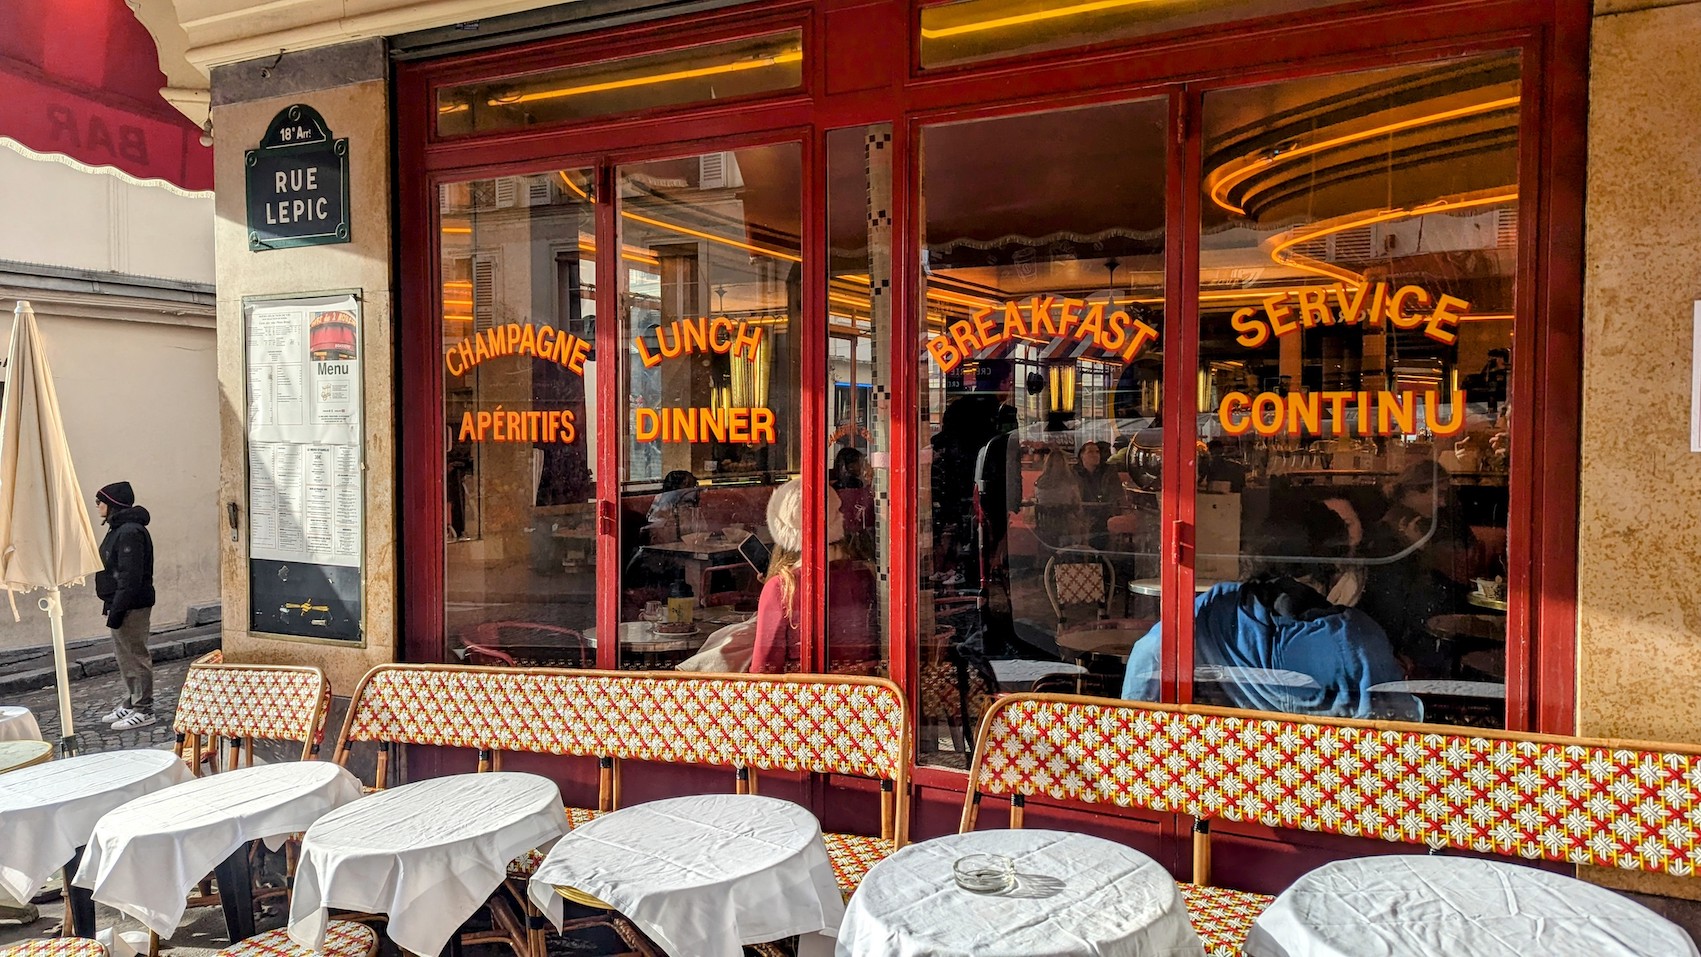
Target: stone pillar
348, 85
1639, 609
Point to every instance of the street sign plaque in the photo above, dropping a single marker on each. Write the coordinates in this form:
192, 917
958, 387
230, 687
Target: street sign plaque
297, 183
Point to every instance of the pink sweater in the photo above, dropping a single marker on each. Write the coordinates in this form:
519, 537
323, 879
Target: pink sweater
852, 634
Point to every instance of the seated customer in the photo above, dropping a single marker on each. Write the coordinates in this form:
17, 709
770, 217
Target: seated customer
851, 607
1280, 621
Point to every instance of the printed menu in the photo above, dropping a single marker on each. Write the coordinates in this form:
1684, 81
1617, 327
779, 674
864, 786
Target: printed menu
304, 431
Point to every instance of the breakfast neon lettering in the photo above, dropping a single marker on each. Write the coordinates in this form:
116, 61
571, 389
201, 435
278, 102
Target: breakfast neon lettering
518, 339
1374, 305
1114, 332
1376, 413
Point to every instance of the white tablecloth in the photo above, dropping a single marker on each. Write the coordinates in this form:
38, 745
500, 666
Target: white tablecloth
18, 724
1074, 895
48, 811
1447, 906
428, 854
702, 876
144, 857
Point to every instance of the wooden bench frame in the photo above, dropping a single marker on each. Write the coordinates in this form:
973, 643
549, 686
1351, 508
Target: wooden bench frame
543, 711
1549, 797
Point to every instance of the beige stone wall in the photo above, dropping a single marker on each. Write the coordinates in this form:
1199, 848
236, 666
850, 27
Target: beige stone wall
1639, 628
360, 112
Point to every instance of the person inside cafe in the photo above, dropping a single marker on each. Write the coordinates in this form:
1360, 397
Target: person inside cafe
856, 500
1057, 502
1273, 641
1418, 564
1101, 492
679, 490
851, 595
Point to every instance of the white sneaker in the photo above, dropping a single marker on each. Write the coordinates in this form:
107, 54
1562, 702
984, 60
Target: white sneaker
134, 720
118, 714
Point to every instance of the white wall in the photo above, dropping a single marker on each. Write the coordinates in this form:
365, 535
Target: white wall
136, 376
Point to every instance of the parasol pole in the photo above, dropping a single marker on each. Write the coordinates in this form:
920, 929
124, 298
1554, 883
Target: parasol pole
56, 621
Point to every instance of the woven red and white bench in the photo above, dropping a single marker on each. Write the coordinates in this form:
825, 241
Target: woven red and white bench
1633, 805
824, 724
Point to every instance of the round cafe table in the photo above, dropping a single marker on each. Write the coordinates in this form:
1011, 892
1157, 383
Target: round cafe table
638, 638
1073, 895
1154, 587
23, 754
47, 813
1114, 637
144, 857
427, 854
1410, 906
18, 724
701, 876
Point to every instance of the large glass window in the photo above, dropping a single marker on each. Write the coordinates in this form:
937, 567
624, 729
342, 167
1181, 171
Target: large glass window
1039, 404
518, 324
1358, 270
711, 306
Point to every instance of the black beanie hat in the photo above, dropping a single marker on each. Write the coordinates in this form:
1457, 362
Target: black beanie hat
117, 495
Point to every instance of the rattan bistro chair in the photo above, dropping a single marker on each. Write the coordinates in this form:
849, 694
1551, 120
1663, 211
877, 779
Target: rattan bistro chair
56, 947
223, 709
343, 938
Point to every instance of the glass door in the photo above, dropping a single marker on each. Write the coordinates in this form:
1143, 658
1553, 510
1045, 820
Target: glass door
518, 329
1039, 407
711, 510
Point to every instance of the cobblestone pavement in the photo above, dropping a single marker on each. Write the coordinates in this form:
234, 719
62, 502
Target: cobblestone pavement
93, 697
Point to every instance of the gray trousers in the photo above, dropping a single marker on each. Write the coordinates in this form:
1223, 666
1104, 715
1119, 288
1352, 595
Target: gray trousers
131, 641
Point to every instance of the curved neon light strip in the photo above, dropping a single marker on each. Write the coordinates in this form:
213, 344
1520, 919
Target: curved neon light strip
1331, 271
1219, 189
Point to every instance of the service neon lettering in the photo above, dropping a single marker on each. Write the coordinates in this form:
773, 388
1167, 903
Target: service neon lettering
1326, 413
518, 339
1114, 332
1376, 305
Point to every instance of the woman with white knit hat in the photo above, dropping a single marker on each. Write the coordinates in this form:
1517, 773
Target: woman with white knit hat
851, 605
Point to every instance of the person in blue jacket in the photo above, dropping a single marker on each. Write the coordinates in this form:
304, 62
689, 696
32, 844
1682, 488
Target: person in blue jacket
1273, 642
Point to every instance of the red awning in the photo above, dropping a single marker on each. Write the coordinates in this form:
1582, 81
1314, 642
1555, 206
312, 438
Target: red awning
81, 78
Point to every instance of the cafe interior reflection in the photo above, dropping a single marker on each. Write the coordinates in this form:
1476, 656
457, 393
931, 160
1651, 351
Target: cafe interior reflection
1357, 264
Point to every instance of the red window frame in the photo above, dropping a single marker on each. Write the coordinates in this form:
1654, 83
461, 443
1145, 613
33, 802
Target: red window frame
847, 84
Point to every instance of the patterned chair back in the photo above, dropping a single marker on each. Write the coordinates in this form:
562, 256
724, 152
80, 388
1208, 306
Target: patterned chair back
1632, 805
826, 724
234, 705
1075, 577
